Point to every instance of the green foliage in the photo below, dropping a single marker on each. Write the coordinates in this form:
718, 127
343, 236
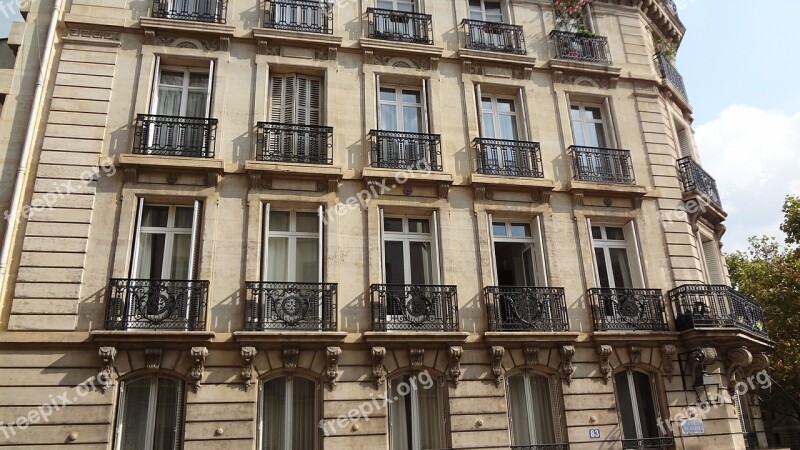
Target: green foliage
667, 48
791, 223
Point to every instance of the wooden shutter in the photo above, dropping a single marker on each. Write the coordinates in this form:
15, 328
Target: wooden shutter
591, 250
493, 257
276, 100
265, 244
711, 255
209, 87
382, 246
539, 252
523, 115
136, 251
479, 105
289, 98
685, 143
314, 101
426, 124
634, 256
437, 257
194, 249
378, 105
321, 212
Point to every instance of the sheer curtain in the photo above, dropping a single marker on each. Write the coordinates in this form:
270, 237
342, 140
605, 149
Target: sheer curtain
429, 416
399, 416
303, 412
168, 414
625, 405
645, 402
274, 414
518, 410
133, 420
542, 409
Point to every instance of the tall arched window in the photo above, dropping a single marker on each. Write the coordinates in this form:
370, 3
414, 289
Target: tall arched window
150, 413
416, 412
637, 404
531, 410
289, 413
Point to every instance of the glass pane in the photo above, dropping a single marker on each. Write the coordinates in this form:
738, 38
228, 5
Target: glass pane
303, 411
593, 113
620, 268
389, 118
475, 10
508, 127
542, 410
615, 234
505, 105
520, 230
575, 113
279, 221
411, 97
499, 228
521, 432
394, 224
307, 222
274, 417
646, 405
133, 417
625, 405
394, 270
151, 256
493, 12
421, 270
198, 80
307, 261
597, 135
430, 417
399, 416
169, 78
388, 94
489, 126
169, 101
179, 266
168, 414
597, 233
486, 104
278, 259
183, 217
602, 268
196, 106
528, 266
419, 226
412, 119
155, 216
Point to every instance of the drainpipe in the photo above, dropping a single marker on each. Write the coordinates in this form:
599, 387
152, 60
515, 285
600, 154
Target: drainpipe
24, 159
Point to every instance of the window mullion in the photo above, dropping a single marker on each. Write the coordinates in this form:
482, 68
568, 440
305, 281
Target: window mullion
151, 413
287, 426
532, 431
185, 92
634, 404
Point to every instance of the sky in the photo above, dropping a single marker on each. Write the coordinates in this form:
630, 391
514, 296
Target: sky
740, 62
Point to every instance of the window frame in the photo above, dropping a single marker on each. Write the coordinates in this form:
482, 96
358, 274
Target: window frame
288, 405
534, 245
606, 245
295, 107
152, 403
503, 14
399, 104
554, 392
713, 264
442, 414
516, 114
406, 238
292, 237
656, 399
585, 123
415, 7
187, 70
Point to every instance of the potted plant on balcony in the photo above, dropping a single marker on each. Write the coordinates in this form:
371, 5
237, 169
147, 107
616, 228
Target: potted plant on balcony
569, 14
666, 48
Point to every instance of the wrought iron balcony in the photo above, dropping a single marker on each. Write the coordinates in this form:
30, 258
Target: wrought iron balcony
406, 307
526, 309
494, 36
208, 11
662, 443
541, 447
156, 305
391, 25
695, 179
603, 165
716, 306
283, 142
410, 151
670, 73
751, 440
617, 309
175, 136
672, 7
576, 47
299, 15
509, 158
290, 306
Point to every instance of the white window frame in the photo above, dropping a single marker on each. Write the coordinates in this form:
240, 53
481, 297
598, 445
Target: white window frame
292, 235
496, 114
503, 13
631, 246
555, 411
635, 401
585, 122
185, 88
399, 104
288, 407
396, 3
414, 422
532, 242
406, 238
151, 410
170, 231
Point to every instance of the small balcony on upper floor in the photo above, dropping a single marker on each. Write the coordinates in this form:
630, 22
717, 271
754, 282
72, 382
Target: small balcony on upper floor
299, 15
697, 181
142, 304
578, 47
276, 306
162, 135
293, 143
622, 309
414, 307
670, 74
527, 308
401, 26
707, 307
494, 37
407, 151
206, 11
508, 158
602, 165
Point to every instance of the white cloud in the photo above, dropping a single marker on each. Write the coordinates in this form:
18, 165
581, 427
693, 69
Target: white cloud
755, 157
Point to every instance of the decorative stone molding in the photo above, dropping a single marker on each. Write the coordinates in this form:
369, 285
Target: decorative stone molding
332, 365
152, 358
378, 369
531, 354
99, 35
634, 353
603, 355
577, 198
567, 368
106, 375
248, 355
416, 354
198, 355
443, 190
736, 361
760, 362
290, 357
454, 353
667, 366
496, 353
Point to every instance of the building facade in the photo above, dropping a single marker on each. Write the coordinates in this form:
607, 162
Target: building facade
363, 225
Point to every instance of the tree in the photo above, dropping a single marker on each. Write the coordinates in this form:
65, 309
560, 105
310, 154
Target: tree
769, 273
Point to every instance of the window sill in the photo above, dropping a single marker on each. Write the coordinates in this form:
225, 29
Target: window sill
598, 187
729, 336
301, 37
676, 96
553, 337
416, 337
187, 25
159, 336
705, 208
262, 172
621, 337
388, 177
134, 163
406, 48
497, 57
280, 337
561, 65
526, 183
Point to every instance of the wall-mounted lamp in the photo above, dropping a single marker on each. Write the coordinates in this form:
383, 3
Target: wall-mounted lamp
693, 363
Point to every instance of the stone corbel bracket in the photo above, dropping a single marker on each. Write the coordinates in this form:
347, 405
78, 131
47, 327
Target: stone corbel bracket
290, 357
106, 375
531, 354
496, 353
634, 353
378, 369
454, 353
332, 365
416, 354
152, 358
737, 360
248, 355
667, 365
567, 368
603, 355
701, 358
760, 363
198, 355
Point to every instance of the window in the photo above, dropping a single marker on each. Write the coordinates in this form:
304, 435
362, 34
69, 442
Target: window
588, 126
300, 15
684, 142
296, 99
616, 256
712, 260
182, 92
531, 410
744, 408
499, 117
416, 416
485, 10
637, 404
289, 414
517, 253
293, 249
150, 413
166, 242
397, 5
409, 250
402, 108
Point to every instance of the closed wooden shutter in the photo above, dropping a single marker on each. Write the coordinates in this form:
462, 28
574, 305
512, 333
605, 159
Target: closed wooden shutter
296, 99
685, 143
713, 265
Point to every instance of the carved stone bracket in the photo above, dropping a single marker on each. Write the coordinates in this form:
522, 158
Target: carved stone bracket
480, 192
290, 357
736, 361
760, 363
443, 190
634, 353
248, 355
603, 355
378, 369
531, 354
700, 358
567, 368
332, 365
577, 198
416, 354
667, 366
106, 375
496, 353
152, 358
454, 353
198, 355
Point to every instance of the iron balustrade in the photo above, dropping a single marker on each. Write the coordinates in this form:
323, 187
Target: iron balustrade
411, 151
156, 304
670, 73
618, 309
663, 443
604, 165
208, 11
751, 440
526, 308
576, 47
175, 136
494, 36
541, 447
310, 16
695, 179
672, 7
413, 307
283, 142
391, 25
716, 306
509, 158
290, 306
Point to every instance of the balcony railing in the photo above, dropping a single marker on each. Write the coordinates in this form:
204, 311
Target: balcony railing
716, 306
526, 308
575, 47
299, 15
541, 447
617, 309
398, 150
391, 25
494, 36
156, 305
670, 73
603, 165
672, 7
662, 443
290, 306
696, 179
751, 440
175, 136
509, 158
282, 142
405, 307
208, 11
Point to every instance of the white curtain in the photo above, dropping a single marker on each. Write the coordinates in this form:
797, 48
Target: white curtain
307, 260
542, 409
400, 416
278, 259
303, 412
133, 419
169, 405
430, 417
274, 414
